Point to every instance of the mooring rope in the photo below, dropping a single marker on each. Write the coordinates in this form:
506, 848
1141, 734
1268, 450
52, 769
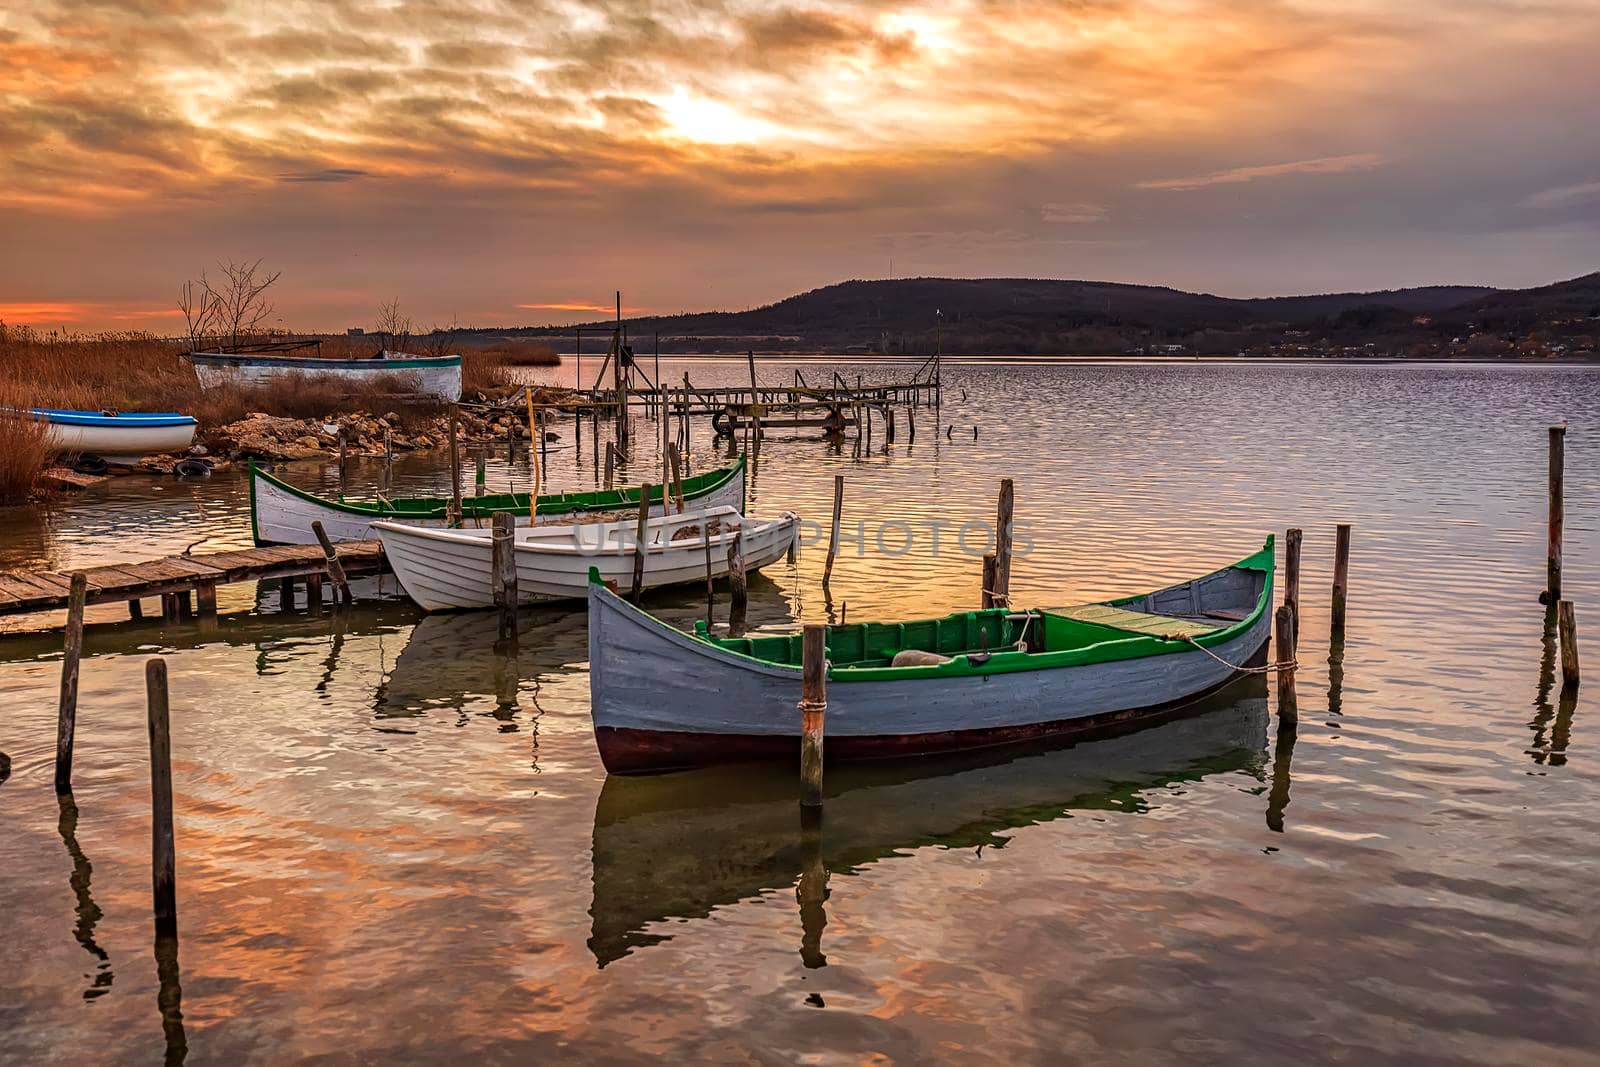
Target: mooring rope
812, 705
1281, 665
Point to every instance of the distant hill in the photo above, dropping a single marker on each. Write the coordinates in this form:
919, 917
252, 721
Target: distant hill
1030, 315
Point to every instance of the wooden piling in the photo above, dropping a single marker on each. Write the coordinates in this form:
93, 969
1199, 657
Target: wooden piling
833, 534
285, 596
1291, 576
813, 710
314, 593
205, 597
67, 709
1284, 646
505, 572
911, 424
638, 538
737, 587
611, 463
343, 452
1341, 573
1002, 543
888, 425
135, 609
335, 567
676, 464
163, 849
1567, 622
989, 583
1558, 447
711, 595
455, 467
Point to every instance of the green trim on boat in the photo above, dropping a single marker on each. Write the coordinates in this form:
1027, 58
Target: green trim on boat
861, 652
484, 507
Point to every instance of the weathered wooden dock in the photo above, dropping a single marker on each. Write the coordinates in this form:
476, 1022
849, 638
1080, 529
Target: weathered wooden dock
174, 578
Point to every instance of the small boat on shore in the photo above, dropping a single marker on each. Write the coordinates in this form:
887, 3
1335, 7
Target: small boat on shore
443, 570
281, 514
663, 699
432, 376
116, 437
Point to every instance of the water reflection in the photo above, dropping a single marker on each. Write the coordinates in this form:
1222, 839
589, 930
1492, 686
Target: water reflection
169, 1001
1551, 723
680, 846
87, 911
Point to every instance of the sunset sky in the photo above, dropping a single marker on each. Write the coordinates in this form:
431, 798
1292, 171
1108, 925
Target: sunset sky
514, 162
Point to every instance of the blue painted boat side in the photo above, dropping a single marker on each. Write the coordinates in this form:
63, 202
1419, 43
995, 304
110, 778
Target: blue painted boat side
125, 420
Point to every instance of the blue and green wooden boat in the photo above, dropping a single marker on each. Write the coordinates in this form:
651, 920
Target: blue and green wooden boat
663, 699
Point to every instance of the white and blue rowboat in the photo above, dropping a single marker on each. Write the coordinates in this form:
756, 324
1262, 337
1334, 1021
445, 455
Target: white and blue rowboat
435, 376
116, 438
443, 570
663, 699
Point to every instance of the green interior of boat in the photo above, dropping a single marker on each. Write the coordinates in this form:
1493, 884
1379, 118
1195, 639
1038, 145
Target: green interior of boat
480, 507
999, 639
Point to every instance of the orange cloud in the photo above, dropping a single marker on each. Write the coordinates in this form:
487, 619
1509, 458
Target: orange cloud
1238, 175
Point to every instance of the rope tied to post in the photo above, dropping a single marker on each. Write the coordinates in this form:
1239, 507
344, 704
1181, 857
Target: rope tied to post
806, 706
1280, 665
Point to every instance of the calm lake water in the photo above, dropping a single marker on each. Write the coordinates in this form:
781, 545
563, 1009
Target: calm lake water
394, 844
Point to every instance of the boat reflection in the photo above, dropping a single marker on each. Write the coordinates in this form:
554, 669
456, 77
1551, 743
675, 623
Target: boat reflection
679, 846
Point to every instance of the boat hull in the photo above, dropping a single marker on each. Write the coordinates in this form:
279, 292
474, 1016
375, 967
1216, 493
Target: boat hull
282, 516
444, 570
116, 438
436, 376
663, 700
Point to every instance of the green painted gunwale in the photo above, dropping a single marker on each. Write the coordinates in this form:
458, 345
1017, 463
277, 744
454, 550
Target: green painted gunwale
859, 652
483, 507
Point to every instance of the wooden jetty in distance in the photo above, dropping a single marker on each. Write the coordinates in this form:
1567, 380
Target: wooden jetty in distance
174, 578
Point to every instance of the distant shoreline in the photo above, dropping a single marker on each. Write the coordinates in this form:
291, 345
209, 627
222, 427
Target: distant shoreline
893, 359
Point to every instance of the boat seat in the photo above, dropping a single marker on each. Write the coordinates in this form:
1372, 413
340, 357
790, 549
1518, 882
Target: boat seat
1137, 621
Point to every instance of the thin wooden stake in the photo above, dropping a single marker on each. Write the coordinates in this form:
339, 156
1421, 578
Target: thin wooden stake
711, 594
737, 587
67, 711
638, 539
677, 474
1567, 621
833, 535
611, 463
1291, 576
1002, 543
1285, 649
989, 582
163, 848
1558, 447
334, 564
535, 434
1341, 573
504, 577
455, 469
813, 711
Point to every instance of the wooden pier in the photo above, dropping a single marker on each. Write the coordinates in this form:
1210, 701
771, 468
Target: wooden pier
175, 577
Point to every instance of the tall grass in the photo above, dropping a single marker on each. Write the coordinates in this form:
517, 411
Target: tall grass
24, 447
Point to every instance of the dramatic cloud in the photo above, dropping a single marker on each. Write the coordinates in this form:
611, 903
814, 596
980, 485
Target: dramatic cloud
496, 159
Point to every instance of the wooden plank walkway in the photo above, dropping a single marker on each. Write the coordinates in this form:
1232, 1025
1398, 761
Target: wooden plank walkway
175, 577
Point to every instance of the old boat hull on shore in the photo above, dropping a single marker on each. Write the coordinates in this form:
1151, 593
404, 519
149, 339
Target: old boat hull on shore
117, 438
434, 376
663, 699
281, 514
443, 570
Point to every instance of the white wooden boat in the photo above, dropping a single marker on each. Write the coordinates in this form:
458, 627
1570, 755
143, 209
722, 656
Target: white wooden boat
281, 514
435, 376
116, 438
445, 569
663, 699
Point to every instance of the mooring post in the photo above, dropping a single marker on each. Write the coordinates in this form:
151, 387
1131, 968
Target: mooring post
135, 609
285, 596
888, 424
911, 422
833, 534
1291, 576
314, 594
1567, 621
989, 560
737, 588
455, 467
343, 447
163, 850
505, 572
334, 564
1284, 646
813, 710
711, 595
1002, 543
676, 464
1341, 574
481, 475
205, 599
638, 538
67, 712
1558, 447
611, 463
